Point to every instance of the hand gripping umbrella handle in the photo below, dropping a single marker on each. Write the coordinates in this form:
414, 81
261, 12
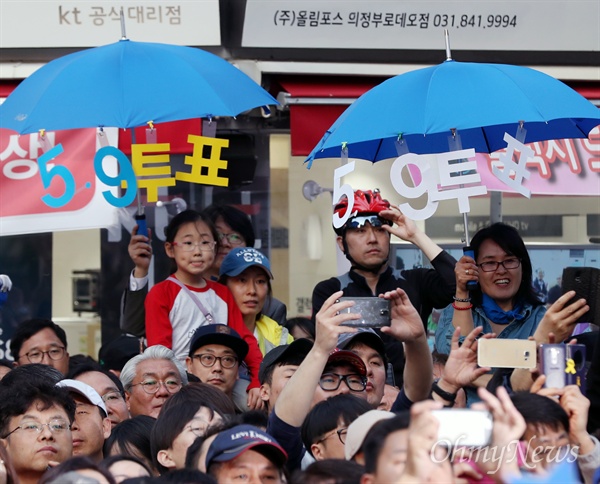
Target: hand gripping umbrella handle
467, 250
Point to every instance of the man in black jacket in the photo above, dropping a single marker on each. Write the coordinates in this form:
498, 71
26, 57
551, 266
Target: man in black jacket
365, 240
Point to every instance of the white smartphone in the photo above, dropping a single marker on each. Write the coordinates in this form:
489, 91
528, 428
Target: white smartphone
463, 426
506, 353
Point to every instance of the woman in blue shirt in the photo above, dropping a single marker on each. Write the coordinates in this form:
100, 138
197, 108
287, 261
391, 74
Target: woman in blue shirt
504, 302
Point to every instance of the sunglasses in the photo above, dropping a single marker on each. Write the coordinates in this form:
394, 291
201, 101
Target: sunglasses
360, 221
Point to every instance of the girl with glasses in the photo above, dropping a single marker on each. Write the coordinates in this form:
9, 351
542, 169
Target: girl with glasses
187, 300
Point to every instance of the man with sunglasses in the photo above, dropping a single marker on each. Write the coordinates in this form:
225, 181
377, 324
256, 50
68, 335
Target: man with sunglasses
215, 354
365, 241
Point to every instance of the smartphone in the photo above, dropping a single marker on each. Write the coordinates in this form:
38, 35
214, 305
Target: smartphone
563, 365
585, 281
463, 426
552, 364
374, 311
506, 353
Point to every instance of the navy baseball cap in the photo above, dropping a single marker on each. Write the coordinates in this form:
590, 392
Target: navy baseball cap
299, 347
240, 258
233, 442
219, 334
114, 354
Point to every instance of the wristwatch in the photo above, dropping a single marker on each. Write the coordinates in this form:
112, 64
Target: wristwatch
449, 397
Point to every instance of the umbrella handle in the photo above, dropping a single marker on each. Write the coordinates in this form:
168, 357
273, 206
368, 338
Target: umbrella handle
141, 223
467, 250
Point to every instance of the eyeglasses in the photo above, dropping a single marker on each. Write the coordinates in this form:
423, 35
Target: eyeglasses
374, 220
55, 426
113, 396
233, 239
341, 433
189, 246
37, 356
198, 426
492, 266
208, 360
332, 381
152, 386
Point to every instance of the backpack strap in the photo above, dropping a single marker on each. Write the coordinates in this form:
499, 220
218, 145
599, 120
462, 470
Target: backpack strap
194, 298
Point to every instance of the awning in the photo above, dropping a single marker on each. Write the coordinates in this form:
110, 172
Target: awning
316, 102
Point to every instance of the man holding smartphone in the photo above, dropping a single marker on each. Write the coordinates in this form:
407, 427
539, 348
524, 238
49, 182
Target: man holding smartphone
365, 240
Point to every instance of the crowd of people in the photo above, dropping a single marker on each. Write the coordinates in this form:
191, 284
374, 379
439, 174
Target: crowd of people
211, 383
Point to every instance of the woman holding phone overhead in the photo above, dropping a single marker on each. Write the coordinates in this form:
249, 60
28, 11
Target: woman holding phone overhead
504, 302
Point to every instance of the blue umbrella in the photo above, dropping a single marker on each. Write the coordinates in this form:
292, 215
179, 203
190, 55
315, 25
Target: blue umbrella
127, 84
480, 101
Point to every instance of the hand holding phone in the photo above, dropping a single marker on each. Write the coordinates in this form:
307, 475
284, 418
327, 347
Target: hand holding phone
506, 353
374, 311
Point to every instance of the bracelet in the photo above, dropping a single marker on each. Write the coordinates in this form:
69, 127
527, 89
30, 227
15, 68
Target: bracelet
449, 397
462, 309
457, 299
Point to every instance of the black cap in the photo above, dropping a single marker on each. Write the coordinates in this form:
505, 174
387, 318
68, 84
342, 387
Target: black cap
219, 334
299, 347
114, 354
365, 335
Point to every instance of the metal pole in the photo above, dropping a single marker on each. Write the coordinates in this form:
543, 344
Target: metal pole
447, 39
495, 207
123, 33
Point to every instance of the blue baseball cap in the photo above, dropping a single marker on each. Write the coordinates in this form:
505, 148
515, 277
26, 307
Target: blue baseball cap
240, 258
233, 442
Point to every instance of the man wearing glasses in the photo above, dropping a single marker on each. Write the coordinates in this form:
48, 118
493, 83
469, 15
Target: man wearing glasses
35, 428
326, 371
40, 341
150, 378
91, 426
108, 386
215, 354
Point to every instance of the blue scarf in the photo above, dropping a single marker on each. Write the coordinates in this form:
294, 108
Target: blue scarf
495, 313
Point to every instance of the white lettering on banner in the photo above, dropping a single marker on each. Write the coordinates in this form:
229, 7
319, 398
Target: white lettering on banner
458, 173
24, 166
513, 173
412, 24
428, 184
340, 191
25, 189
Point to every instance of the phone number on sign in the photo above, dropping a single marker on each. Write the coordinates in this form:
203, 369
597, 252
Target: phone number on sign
318, 18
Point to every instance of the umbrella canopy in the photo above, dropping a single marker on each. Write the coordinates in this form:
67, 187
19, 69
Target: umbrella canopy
127, 84
480, 101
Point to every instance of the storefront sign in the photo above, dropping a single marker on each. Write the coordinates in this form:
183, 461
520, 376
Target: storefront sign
532, 25
50, 23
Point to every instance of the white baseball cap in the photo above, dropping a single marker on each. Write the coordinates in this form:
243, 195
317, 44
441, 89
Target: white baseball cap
85, 391
359, 428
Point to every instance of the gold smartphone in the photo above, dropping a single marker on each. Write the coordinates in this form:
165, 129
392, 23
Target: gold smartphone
506, 353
